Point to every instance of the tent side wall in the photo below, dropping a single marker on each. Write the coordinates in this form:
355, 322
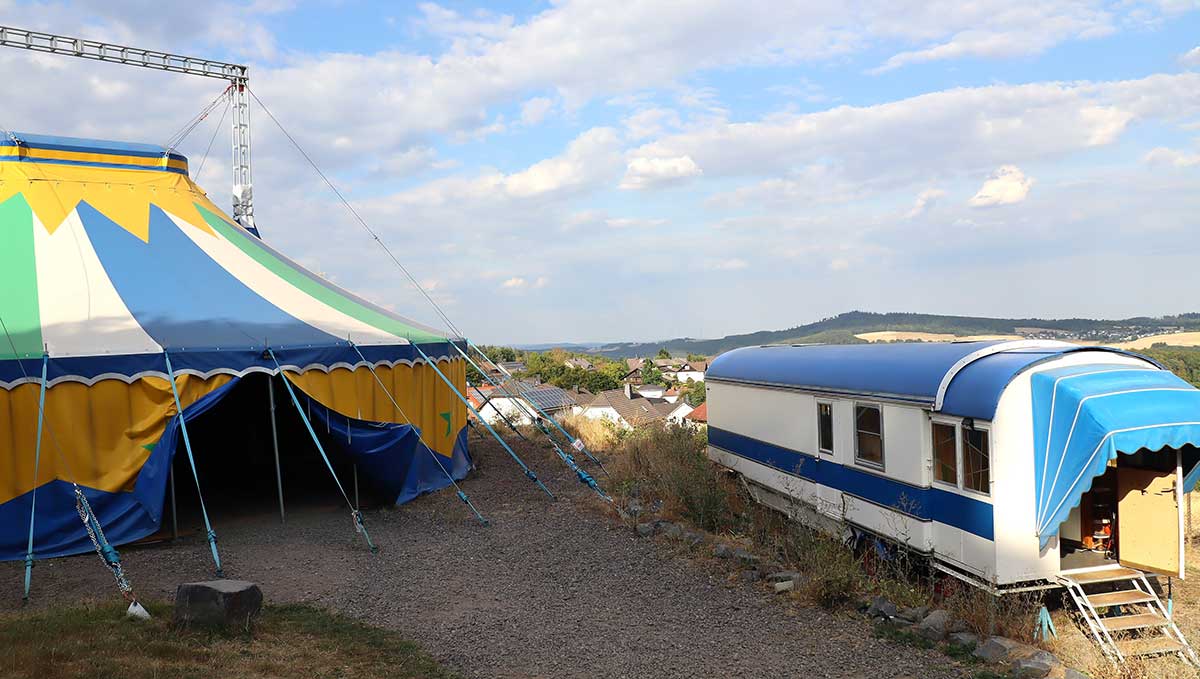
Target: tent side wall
105, 436
1018, 555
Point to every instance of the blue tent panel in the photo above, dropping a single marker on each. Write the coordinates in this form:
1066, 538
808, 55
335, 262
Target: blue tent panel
1083, 416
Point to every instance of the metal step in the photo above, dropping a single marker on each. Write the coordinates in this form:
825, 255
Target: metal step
1121, 598
1138, 647
1106, 575
1140, 621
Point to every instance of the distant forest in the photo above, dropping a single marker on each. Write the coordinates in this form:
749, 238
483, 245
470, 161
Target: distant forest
841, 329
1183, 361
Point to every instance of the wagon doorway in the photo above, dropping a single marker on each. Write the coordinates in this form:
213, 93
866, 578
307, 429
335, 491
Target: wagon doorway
1132, 515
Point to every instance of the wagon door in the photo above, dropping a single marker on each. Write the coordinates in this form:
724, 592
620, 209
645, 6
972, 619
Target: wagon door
1148, 520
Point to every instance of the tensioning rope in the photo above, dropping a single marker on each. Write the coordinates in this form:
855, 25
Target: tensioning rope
91, 522
484, 401
37, 463
412, 279
354, 512
193, 123
461, 494
213, 138
528, 472
187, 444
574, 442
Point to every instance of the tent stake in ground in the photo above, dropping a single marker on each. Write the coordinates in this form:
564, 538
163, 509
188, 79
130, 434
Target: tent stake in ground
37, 463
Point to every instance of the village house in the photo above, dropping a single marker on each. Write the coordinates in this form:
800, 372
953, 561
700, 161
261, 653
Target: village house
625, 408
580, 363
515, 402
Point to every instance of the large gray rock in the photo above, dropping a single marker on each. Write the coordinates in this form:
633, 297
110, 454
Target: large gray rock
645, 529
722, 551
913, 614
218, 603
1002, 650
935, 625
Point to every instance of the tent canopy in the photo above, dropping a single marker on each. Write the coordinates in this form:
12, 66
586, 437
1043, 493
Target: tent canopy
1084, 416
109, 255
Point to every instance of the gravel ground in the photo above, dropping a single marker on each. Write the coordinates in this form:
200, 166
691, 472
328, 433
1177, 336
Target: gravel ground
549, 589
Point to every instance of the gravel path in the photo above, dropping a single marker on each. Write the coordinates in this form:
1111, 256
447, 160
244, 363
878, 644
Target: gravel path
548, 590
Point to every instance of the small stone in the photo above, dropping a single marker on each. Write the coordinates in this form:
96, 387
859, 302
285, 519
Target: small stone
645, 529
1074, 674
780, 576
672, 530
964, 639
722, 551
217, 603
933, 627
882, 608
785, 586
693, 538
1036, 666
1002, 650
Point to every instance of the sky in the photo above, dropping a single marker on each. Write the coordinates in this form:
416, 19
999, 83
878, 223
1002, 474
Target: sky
598, 171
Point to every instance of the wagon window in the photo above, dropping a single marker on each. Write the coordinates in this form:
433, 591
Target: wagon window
868, 434
976, 461
945, 453
825, 427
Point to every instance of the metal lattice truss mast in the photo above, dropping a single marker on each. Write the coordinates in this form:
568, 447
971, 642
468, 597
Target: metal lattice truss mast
237, 75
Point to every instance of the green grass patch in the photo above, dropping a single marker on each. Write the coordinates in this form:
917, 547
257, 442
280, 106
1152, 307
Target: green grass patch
901, 636
97, 641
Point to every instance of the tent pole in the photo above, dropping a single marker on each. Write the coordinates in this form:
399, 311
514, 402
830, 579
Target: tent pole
356, 502
275, 445
174, 508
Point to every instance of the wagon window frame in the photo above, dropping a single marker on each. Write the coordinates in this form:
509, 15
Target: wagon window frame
985, 433
956, 425
820, 428
858, 433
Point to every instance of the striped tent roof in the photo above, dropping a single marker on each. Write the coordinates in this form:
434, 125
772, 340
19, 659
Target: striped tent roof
110, 255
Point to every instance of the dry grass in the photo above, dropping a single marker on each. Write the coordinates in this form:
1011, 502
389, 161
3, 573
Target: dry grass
596, 434
1175, 339
97, 641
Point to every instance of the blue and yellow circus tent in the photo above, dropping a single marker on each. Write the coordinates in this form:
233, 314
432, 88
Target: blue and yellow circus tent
112, 261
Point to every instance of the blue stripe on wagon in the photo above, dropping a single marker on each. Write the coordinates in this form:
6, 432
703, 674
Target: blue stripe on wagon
930, 504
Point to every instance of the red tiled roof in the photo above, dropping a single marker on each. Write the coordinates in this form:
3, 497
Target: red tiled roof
700, 414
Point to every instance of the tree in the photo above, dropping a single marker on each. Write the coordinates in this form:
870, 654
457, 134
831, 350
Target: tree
696, 357
651, 374
663, 353
693, 393
597, 381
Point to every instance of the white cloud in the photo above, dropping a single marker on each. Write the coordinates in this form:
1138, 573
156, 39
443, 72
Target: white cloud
839, 264
590, 155
733, 264
925, 200
1165, 156
646, 172
651, 122
956, 131
1191, 57
1006, 186
535, 110
633, 223
514, 283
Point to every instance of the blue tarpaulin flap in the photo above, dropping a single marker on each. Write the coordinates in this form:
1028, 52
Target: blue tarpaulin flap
1083, 416
391, 457
125, 516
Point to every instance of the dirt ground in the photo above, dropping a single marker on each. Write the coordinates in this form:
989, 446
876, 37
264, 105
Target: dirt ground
549, 589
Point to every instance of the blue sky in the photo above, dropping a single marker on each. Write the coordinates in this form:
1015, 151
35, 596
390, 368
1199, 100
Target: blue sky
582, 170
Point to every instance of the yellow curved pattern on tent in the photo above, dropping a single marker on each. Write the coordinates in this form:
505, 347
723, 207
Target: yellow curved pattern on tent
419, 392
98, 436
122, 195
